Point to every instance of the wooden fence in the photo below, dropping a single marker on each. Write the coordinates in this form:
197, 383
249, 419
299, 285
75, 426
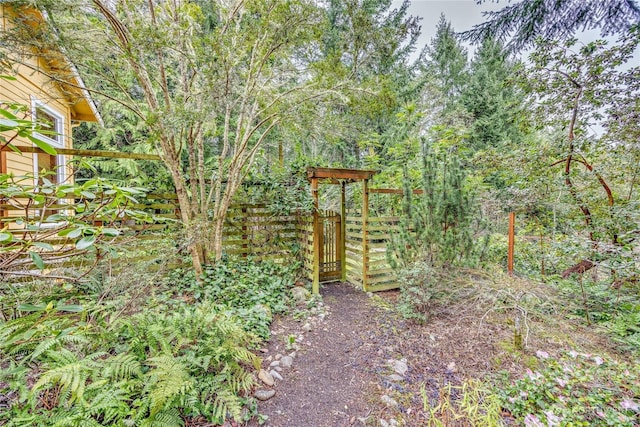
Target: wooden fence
251, 230
254, 231
305, 236
366, 251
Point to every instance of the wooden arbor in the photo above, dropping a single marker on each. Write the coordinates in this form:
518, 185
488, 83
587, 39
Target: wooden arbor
329, 258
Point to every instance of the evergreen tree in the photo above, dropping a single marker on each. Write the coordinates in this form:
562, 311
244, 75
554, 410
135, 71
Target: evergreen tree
436, 226
370, 41
444, 61
522, 22
492, 99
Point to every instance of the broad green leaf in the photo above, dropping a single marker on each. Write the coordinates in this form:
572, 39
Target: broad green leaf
43, 245
47, 148
85, 242
6, 237
15, 149
74, 233
7, 124
112, 232
37, 260
88, 194
7, 114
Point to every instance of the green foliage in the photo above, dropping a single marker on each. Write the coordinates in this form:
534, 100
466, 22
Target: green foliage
523, 22
575, 389
252, 291
613, 308
66, 213
284, 190
470, 404
14, 123
492, 99
445, 62
153, 368
436, 227
423, 291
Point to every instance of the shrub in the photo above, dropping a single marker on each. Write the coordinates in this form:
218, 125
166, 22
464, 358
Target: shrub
253, 291
425, 291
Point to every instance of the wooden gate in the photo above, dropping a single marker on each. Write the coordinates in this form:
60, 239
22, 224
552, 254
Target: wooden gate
330, 225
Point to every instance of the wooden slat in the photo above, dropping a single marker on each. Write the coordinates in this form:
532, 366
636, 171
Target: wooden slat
381, 279
384, 287
89, 153
337, 174
392, 191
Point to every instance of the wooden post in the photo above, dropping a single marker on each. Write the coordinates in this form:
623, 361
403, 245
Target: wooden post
343, 232
365, 234
316, 238
512, 222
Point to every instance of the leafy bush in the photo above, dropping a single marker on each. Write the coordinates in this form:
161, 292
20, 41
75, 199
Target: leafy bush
86, 356
252, 291
54, 221
575, 389
615, 308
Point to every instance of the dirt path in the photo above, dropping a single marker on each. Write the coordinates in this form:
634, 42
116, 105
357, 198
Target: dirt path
362, 364
331, 375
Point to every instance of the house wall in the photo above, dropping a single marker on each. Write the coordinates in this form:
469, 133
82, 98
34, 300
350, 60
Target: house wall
31, 83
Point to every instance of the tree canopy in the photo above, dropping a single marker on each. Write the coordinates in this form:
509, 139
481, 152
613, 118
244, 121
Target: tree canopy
520, 23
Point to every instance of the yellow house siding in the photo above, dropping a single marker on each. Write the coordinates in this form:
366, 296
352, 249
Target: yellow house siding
29, 86
32, 83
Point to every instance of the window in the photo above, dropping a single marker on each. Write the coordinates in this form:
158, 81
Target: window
51, 126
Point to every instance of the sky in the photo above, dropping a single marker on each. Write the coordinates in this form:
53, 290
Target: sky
463, 14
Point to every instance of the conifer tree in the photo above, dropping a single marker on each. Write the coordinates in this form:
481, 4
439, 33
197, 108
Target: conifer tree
521, 22
436, 226
444, 60
492, 99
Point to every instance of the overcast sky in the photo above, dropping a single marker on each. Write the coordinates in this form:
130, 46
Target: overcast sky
463, 14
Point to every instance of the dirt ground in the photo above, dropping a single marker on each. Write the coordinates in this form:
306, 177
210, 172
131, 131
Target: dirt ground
343, 374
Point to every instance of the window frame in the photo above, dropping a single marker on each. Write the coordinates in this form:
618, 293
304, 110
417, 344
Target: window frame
57, 141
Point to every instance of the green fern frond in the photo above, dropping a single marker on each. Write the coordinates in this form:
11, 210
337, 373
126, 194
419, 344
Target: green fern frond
111, 403
74, 417
59, 340
122, 366
226, 402
168, 379
165, 418
69, 372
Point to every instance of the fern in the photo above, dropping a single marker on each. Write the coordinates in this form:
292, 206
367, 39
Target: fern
112, 401
69, 372
167, 380
226, 402
57, 341
165, 418
159, 367
122, 366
